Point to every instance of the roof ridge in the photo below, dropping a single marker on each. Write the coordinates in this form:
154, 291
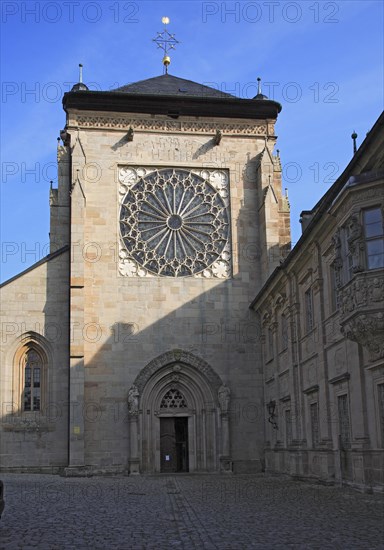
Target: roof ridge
40, 262
167, 84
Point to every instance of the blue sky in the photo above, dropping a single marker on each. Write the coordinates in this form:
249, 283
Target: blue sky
323, 61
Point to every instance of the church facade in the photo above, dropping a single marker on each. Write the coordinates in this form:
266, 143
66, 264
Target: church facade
132, 348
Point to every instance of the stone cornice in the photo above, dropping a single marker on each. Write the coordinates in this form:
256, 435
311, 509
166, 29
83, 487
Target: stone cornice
340, 378
285, 398
311, 389
283, 373
356, 195
150, 124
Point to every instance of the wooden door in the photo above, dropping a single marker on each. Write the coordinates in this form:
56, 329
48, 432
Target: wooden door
168, 455
174, 444
181, 436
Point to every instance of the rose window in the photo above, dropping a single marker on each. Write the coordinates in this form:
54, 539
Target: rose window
174, 223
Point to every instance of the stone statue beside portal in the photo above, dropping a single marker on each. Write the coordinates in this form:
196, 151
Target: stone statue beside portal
224, 395
133, 400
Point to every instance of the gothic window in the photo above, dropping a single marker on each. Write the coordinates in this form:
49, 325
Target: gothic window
175, 223
309, 318
374, 238
32, 380
344, 423
314, 415
173, 399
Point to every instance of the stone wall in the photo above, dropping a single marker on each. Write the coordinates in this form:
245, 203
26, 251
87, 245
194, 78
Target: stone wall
35, 313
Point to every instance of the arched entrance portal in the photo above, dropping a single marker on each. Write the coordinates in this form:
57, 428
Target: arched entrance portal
178, 417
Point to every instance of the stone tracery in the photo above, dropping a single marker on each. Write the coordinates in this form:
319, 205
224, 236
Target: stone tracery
173, 399
174, 223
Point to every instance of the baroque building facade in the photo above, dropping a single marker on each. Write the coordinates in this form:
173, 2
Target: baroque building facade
323, 332
129, 346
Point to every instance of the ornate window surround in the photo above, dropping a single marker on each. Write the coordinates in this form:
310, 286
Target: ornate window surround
19, 378
350, 243
30, 341
359, 289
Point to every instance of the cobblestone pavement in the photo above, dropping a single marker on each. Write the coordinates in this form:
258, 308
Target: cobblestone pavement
181, 511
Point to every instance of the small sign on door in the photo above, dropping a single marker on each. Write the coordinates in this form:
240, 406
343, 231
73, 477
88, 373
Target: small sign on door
167, 458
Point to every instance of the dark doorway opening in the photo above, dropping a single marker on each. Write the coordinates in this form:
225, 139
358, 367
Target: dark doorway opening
174, 444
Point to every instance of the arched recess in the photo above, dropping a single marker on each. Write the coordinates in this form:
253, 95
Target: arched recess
206, 417
28, 343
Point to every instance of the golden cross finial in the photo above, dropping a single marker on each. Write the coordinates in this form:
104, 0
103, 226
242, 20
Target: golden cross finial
166, 42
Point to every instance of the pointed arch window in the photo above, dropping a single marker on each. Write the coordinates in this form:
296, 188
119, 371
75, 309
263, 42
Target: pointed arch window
32, 379
30, 375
